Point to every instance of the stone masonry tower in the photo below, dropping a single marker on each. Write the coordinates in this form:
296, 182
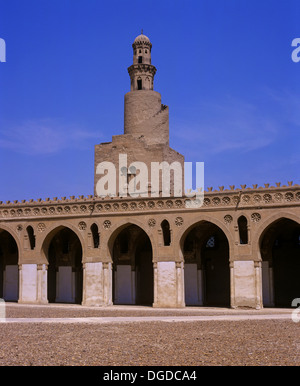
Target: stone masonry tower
146, 120
144, 115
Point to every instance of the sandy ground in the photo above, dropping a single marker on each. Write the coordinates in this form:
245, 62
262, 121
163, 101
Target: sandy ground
165, 340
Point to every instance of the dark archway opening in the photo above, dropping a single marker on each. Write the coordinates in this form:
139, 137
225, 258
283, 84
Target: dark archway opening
206, 269
9, 272
132, 267
280, 252
65, 276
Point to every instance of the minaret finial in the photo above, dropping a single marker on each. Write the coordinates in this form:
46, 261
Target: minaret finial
142, 32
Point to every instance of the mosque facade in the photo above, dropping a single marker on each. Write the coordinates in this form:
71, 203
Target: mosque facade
239, 248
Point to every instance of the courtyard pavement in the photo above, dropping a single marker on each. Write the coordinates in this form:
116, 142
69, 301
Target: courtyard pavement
74, 335
73, 313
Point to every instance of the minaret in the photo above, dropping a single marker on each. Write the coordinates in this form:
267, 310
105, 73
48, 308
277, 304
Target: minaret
144, 115
141, 71
146, 127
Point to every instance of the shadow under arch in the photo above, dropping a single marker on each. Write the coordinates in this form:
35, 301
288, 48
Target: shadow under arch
51, 232
117, 228
205, 250
131, 253
63, 250
279, 246
192, 223
13, 234
9, 270
271, 220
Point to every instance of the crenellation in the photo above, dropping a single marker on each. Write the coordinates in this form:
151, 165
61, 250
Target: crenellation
272, 197
255, 189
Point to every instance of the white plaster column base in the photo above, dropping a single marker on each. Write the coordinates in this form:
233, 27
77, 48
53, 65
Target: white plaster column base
97, 284
245, 282
33, 284
168, 284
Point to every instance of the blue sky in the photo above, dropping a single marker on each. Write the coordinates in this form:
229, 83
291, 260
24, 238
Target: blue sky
224, 69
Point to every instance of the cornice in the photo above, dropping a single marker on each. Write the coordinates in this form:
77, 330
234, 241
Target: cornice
222, 199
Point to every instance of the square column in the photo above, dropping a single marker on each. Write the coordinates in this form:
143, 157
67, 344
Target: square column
168, 284
245, 284
33, 283
97, 284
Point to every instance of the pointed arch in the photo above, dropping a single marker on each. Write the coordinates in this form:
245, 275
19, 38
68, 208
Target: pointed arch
9, 259
115, 229
63, 251
132, 257
13, 234
189, 225
205, 249
51, 231
279, 245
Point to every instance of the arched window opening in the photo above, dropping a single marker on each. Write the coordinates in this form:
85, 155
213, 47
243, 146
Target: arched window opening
279, 247
95, 234
140, 59
31, 237
165, 226
211, 242
243, 230
139, 84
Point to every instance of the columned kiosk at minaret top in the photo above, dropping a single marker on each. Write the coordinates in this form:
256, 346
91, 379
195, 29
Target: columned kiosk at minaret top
144, 114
